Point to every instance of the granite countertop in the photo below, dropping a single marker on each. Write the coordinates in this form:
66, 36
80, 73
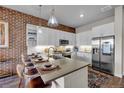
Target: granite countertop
66, 66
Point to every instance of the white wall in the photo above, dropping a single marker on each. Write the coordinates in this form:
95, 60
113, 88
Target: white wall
118, 40
123, 41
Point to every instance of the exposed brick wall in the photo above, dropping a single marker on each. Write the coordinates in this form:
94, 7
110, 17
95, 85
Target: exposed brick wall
17, 31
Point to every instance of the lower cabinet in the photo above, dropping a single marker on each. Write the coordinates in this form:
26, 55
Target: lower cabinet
76, 79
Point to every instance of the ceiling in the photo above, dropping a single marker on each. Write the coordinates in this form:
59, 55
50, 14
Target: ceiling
67, 14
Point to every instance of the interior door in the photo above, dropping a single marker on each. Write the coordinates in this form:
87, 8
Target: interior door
95, 52
107, 54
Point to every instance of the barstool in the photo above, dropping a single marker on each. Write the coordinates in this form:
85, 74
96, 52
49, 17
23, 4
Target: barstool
32, 81
20, 70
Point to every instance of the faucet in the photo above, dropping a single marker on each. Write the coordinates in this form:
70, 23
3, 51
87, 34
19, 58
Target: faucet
49, 52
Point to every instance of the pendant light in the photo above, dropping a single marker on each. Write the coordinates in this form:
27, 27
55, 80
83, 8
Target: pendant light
52, 22
39, 27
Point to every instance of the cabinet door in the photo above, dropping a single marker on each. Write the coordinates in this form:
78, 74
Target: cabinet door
88, 37
72, 38
56, 37
61, 35
31, 35
103, 30
108, 29
40, 38
68, 36
43, 37
78, 39
51, 35
83, 38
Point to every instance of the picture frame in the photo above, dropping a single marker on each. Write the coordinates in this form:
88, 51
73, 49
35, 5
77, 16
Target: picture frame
4, 35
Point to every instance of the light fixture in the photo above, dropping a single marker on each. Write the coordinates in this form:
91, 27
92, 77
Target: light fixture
39, 27
52, 22
81, 15
40, 30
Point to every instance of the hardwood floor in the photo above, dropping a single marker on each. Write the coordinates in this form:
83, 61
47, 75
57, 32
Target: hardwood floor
115, 82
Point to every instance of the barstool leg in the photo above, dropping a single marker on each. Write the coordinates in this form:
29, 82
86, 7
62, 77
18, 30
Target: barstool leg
26, 82
20, 83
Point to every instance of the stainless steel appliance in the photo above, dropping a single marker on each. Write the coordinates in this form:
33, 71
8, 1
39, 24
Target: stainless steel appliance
103, 53
63, 42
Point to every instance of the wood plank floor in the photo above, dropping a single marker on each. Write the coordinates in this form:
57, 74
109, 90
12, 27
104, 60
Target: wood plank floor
115, 82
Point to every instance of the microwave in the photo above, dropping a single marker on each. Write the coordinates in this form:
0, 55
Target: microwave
63, 42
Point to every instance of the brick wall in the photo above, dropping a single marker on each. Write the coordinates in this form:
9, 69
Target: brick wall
17, 31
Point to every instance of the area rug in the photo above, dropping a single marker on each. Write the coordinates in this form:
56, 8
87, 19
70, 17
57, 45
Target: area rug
97, 79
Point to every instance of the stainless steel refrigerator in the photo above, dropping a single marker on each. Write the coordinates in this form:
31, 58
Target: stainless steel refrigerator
103, 54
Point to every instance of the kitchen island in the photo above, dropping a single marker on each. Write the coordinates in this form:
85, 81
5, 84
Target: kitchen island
71, 73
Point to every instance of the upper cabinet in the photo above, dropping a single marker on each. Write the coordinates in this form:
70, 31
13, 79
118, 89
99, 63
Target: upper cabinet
49, 36
31, 36
103, 30
69, 36
84, 38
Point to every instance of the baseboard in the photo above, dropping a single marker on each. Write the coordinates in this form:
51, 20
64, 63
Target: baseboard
118, 75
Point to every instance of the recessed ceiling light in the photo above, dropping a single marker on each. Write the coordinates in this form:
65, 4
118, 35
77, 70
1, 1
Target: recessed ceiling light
81, 15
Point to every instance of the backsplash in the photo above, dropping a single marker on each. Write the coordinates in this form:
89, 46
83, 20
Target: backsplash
43, 49
85, 48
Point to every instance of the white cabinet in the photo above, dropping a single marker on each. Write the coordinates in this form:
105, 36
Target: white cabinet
78, 39
84, 38
43, 37
51, 36
71, 38
66, 36
31, 36
47, 37
56, 37
103, 30
61, 35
